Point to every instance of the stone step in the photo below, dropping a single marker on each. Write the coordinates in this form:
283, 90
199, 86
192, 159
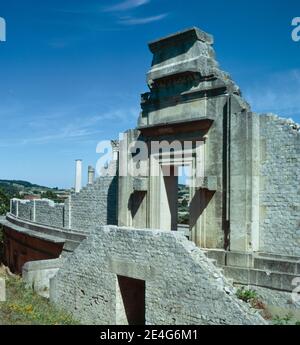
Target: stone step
277, 265
213, 261
274, 263
277, 256
218, 255
251, 276
275, 272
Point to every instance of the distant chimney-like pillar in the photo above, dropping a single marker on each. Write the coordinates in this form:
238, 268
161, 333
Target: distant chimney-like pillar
115, 149
78, 175
91, 175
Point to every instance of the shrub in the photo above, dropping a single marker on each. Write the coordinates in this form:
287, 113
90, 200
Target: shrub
277, 320
246, 295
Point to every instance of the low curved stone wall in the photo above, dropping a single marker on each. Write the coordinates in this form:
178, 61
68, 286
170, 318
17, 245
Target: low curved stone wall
21, 247
28, 241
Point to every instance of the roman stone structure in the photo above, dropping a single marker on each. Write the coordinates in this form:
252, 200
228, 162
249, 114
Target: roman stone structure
244, 206
238, 161
146, 277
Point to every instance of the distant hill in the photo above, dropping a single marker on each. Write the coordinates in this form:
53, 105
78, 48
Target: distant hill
17, 189
13, 187
25, 184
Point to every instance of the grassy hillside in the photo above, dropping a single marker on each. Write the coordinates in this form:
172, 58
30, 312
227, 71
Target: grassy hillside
24, 307
13, 187
16, 188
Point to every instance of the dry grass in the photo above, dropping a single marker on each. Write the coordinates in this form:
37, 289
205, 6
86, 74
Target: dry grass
24, 307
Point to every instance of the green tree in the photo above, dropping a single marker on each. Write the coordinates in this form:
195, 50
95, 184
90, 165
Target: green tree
50, 195
4, 202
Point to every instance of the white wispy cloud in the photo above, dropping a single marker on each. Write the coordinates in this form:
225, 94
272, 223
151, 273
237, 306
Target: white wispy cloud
126, 5
66, 134
119, 20
141, 21
279, 94
57, 127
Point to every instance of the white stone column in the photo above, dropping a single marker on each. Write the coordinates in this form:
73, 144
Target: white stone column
34, 211
78, 176
91, 175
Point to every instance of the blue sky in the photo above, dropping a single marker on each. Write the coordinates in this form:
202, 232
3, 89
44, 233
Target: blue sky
72, 71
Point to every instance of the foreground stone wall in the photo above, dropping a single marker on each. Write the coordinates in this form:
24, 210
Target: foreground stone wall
279, 186
182, 286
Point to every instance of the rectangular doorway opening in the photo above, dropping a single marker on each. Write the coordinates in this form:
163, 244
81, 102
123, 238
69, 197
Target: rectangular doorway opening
175, 198
168, 198
130, 301
183, 215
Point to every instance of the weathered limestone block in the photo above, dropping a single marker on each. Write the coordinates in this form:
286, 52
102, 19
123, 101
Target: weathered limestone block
140, 184
209, 183
181, 285
96, 204
37, 274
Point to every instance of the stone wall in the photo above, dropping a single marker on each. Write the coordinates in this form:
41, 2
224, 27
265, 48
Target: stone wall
37, 274
13, 206
42, 211
23, 245
25, 210
49, 213
182, 286
95, 205
279, 186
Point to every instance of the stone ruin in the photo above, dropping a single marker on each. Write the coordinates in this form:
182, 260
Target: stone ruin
114, 252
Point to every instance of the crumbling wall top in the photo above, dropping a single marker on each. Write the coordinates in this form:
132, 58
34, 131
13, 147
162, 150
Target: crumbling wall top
188, 34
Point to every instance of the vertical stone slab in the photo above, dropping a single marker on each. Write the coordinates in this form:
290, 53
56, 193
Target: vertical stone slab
244, 181
34, 211
2, 290
254, 176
